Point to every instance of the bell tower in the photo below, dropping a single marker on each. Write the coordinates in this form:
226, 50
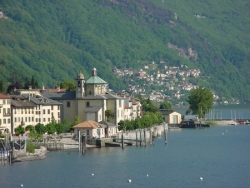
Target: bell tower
80, 81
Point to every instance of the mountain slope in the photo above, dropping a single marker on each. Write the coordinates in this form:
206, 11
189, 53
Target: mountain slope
56, 39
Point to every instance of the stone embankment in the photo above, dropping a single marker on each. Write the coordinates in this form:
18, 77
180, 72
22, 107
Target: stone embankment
224, 122
37, 155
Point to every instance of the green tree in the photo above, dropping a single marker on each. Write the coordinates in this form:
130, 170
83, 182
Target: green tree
51, 129
70, 86
148, 105
40, 128
19, 130
109, 115
1, 86
30, 128
200, 101
67, 125
122, 125
76, 121
166, 105
59, 128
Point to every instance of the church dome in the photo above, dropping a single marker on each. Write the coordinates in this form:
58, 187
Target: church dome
80, 75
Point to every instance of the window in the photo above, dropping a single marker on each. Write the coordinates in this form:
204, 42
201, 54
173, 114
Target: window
120, 103
0, 110
15, 119
48, 119
48, 111
32, 119
90, 92
44, 111
8, 120
8, 101
0, 122
87, 132
44, 119
68, 104
29, 119
52, 107
4, 121
87, 104
58, 114
52, 114
36, 119
25, 119
58, 107
4, 102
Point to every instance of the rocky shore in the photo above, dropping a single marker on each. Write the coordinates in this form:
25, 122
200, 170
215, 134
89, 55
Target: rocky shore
37, 155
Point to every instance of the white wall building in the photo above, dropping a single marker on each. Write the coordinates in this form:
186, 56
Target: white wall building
5, 113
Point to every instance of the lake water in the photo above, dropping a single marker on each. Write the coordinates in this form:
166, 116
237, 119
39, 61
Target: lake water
223, 160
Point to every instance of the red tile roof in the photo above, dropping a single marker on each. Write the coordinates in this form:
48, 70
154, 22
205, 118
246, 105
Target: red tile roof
90, 124
3, 96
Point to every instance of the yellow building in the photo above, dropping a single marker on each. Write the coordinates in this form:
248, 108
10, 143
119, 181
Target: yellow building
171, 117
90, 101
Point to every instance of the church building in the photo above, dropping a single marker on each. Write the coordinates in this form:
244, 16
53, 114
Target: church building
90, 101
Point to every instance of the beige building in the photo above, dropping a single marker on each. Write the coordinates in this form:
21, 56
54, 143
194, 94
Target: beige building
171, 117
90, 100
5, 113
31, 109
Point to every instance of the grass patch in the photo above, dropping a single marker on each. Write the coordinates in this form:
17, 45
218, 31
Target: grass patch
210, 122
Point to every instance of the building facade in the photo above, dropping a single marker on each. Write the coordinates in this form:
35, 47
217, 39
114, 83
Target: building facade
90, 101
5, 113
31, 109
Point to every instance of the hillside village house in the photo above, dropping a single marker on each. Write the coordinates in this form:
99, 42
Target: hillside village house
5, 113
171, 117
132, 109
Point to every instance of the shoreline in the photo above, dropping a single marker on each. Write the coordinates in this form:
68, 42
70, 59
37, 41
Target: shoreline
223, 122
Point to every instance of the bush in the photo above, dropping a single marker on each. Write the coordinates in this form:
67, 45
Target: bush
31, 147
19, 130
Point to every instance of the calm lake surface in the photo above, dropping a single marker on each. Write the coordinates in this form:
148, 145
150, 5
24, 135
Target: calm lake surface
223, 160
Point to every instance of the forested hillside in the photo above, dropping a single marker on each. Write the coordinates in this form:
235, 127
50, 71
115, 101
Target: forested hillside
54, 40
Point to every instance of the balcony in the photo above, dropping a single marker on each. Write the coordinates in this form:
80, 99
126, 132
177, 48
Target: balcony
6, 114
